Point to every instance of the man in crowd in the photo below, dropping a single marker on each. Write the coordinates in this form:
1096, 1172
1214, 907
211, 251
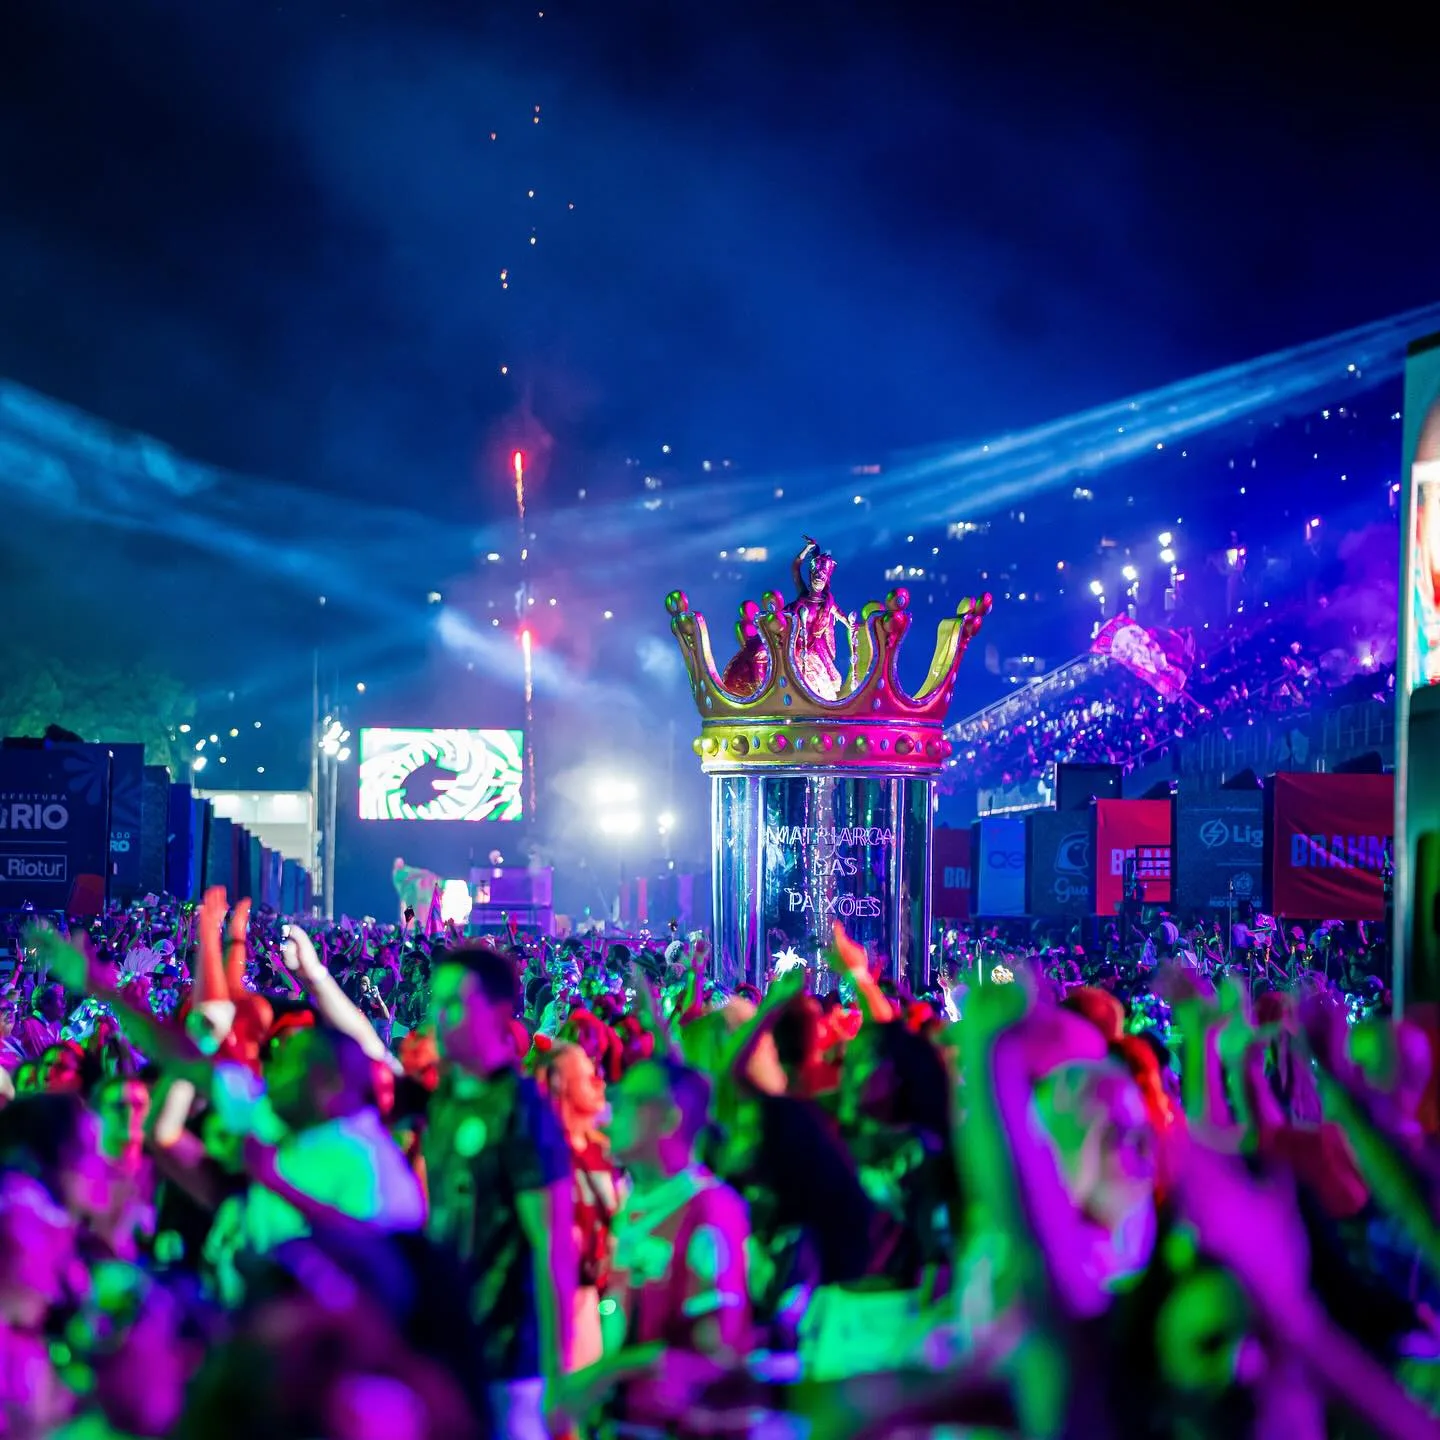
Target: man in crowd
499, 1173
318, 1152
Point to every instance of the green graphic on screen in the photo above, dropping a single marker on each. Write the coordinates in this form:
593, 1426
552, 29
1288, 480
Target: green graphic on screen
441, 774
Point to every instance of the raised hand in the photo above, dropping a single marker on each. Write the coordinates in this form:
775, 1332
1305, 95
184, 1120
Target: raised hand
785, 988
852, 954
69, 961
299, 954
236, 953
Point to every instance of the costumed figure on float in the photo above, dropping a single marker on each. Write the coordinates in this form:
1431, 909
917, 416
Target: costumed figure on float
815, 615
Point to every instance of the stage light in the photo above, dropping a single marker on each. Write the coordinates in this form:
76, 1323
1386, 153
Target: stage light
455, 902
233, 733
666, 822
1096, 588
185, 729
609, 790
199, 745
214, 739
433, 598
619, 822
1167, 556
1130, 573
198, 764
359, 687
609, 614
1167, 538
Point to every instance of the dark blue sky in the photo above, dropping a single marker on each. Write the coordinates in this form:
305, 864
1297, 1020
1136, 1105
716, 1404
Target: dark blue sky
272, 235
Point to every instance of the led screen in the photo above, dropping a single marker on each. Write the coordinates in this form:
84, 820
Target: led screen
441, 774
1422, 543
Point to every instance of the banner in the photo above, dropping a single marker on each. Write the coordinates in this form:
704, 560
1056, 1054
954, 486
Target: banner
127, 815
182, 848
1127, 830
999, 863
1219, 848
950, 874
1060, 847
54, 828
1331, 843
154, 827
220, 854
1143, 653
126, 770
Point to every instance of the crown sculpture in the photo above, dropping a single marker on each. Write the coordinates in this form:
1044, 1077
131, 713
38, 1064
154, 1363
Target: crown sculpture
781, 701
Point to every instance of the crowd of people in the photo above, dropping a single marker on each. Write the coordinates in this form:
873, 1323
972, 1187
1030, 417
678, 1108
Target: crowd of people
1114, 718
393, 1181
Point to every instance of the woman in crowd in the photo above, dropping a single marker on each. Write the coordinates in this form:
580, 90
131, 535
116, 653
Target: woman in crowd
569, 1080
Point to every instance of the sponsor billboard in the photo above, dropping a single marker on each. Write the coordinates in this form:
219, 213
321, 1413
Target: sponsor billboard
1332, 838
154, 828
998, 854
1125, 831
123, 767
54, 828
1219, 848
441, 774
1060, 850
950, 881
1416, 936
1421, 538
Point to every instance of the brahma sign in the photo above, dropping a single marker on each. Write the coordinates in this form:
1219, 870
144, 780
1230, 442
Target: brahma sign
1332, 841
1126, 831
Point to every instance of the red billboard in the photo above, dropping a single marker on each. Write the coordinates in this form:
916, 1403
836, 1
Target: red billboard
950, 874
1331, 844
1125, 831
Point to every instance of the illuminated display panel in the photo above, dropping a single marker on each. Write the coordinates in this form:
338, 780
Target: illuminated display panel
442, 774
1422, 548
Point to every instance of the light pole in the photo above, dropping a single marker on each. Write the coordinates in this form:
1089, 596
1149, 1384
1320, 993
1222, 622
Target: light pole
332, 752
522, 617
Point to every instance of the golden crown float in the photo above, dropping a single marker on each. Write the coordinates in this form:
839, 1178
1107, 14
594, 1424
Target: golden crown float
770, 705
821, 783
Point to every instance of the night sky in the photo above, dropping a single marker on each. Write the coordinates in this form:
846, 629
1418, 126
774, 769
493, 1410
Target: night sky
272, 235
281, 239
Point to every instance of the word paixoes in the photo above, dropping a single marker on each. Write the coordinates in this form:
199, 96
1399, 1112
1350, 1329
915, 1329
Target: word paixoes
843, 907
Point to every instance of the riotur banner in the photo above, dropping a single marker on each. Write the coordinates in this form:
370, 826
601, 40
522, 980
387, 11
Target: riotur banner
1125, 831
1143, 653
950, 874
54, 828
1331, 842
